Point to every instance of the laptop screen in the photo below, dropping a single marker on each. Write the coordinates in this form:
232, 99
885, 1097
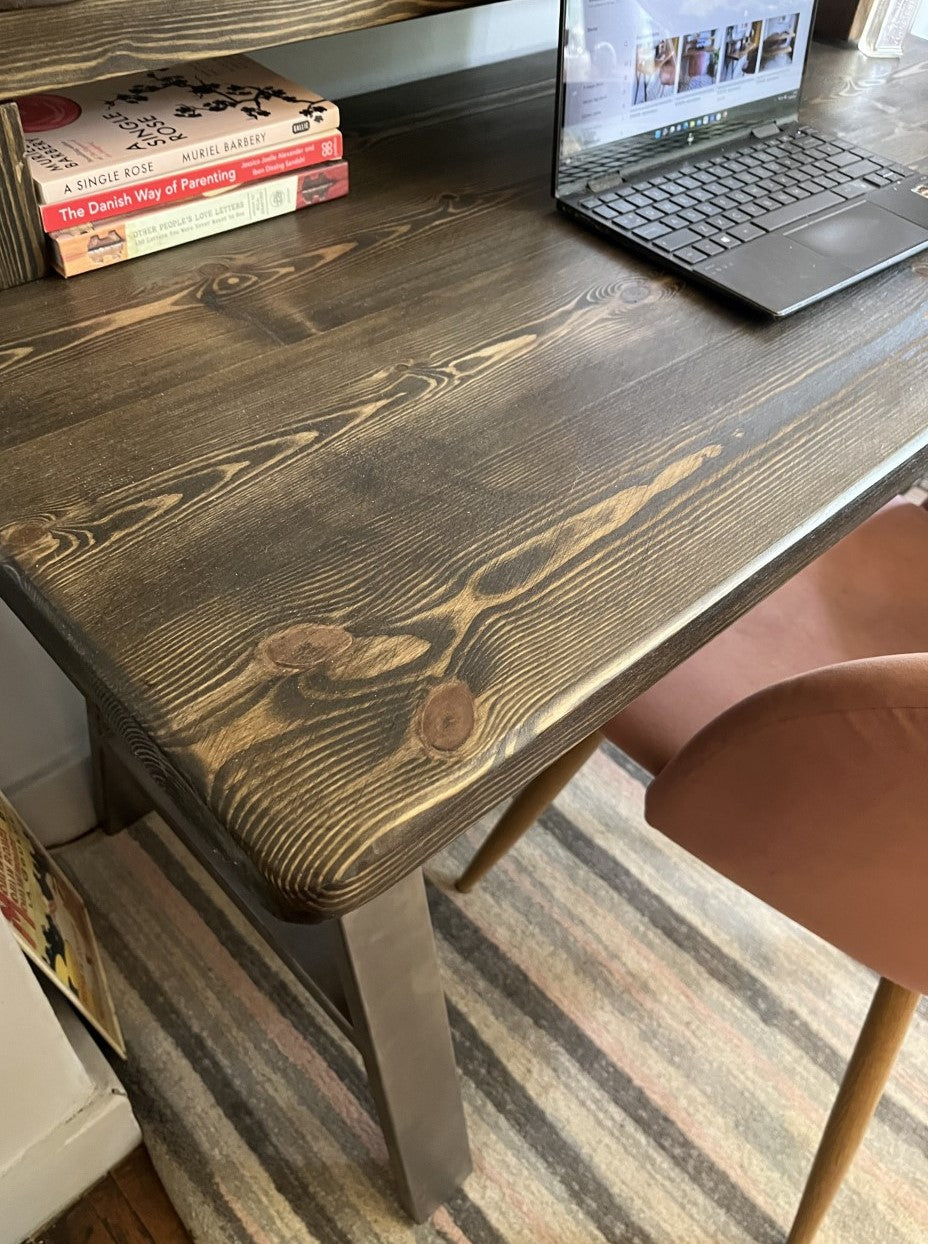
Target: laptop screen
642, 79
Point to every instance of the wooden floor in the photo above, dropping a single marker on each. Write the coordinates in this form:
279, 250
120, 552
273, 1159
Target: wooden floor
129, 1206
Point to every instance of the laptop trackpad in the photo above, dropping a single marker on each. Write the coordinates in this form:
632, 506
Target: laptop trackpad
860, 236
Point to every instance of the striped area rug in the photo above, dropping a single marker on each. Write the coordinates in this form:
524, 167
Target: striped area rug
647, 1054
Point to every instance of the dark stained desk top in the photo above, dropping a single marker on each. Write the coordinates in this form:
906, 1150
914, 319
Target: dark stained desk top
352, 521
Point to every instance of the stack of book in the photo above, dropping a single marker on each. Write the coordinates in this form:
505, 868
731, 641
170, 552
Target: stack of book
136, 164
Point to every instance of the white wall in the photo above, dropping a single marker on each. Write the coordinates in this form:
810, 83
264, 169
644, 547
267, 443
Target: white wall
44, 766
920, 25
366, 60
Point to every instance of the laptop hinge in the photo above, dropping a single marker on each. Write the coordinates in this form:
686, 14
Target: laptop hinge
605, 182
677, 156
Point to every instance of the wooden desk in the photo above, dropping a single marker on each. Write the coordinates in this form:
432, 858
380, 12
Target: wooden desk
349, 523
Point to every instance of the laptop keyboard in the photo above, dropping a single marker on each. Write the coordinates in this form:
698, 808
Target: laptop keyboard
708, 206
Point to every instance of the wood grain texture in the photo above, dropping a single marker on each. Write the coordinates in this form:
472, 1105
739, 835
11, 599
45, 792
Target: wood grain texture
22, 243
352, 521
31, 4
141, 1186
128, 1206
87, 39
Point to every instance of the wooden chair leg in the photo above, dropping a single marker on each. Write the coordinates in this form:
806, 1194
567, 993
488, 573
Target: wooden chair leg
525, 810
880, 1038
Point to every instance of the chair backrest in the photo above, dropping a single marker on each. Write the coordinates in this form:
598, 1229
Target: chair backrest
813, 795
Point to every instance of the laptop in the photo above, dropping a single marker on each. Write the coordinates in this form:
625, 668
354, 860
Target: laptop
678, 135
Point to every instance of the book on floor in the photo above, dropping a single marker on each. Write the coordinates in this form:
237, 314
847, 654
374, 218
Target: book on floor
86, 247
110, 134
51, 924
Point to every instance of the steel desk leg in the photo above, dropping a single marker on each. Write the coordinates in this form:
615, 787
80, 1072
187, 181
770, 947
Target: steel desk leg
397, 1008
374, 971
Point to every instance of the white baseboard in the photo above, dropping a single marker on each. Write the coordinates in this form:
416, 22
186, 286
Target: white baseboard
56, 802
61, 1166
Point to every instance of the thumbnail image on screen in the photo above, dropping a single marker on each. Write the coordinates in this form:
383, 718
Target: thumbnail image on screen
656, 63
742, 50
779, 42
699, 62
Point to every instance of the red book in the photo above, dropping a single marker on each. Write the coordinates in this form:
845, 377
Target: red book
190, 184
84, 248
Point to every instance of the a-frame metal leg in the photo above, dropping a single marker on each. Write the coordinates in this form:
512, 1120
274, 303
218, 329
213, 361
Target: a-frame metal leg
393, 989
118, 800
375, 972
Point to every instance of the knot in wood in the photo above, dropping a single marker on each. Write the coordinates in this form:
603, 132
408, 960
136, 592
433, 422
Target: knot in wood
633, 292
446, 719
232, 283
305, 645
20, 536
221, 280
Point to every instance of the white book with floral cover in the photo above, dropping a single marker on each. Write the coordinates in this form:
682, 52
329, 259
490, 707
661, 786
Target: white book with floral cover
124, 130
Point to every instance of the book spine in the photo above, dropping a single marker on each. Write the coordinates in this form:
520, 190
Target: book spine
85, 248
206, 179
175, 159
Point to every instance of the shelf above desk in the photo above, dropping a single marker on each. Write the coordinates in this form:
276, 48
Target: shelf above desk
64, 45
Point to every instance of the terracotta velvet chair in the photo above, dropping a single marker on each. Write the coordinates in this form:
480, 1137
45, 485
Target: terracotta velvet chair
791, 754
